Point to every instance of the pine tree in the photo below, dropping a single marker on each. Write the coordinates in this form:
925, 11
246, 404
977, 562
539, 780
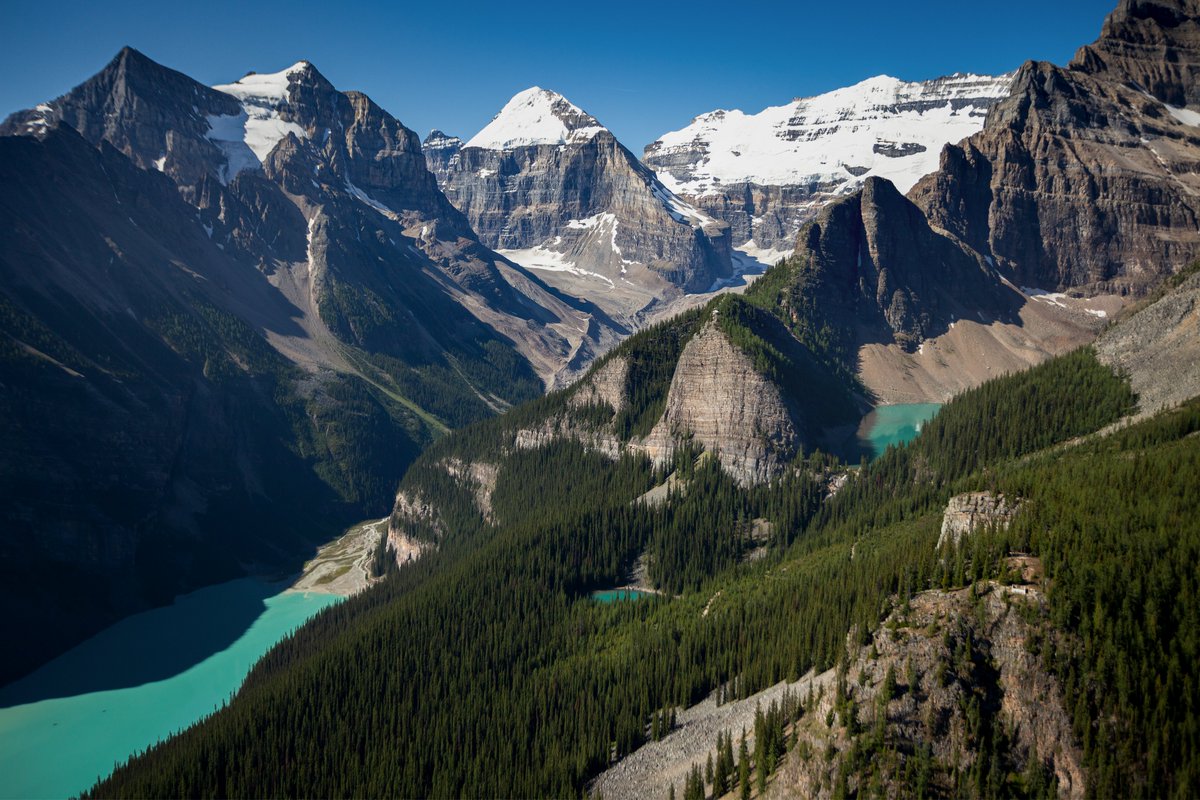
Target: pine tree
744, 768
721, 772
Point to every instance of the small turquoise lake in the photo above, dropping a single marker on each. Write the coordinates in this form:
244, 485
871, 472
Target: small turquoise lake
150, 675
617, 595
888, 425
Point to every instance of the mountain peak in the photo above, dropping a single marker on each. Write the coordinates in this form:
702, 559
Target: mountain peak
438, 139
1152, 43
268, 86
534, 117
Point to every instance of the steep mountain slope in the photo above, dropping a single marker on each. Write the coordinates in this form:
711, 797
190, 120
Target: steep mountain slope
219, 145
768, 173
573, 684
266, 283
549, 186
1084, 177
1078, 192
727, 380
154, 440
1159, 346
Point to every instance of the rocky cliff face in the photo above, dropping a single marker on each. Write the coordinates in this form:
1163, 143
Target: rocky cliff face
1086, 176
718, 400
966, 513
966, 676
549, 186
878, 272
1153, 43
440, 149
727, 380
1081, 189
766, 174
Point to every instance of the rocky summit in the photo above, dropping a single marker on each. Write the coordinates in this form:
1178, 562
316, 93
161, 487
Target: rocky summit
551, 188
1085, 176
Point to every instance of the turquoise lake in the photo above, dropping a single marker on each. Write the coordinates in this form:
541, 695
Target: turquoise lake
150, 675
888, 425
615, 595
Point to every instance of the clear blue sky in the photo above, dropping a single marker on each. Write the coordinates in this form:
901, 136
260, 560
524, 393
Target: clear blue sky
642, 68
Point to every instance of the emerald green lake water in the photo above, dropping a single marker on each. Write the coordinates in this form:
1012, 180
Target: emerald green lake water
616, 595
897, 424
68, 724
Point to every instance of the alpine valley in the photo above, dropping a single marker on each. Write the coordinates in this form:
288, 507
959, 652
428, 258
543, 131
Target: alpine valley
614, 421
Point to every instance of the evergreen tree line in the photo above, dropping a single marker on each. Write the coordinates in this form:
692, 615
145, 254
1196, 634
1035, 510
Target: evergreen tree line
486, 670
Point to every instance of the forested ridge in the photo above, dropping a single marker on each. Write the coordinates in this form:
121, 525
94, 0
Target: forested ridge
485, 670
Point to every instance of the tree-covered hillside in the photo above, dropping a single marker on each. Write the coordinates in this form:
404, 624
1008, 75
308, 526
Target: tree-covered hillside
485, 669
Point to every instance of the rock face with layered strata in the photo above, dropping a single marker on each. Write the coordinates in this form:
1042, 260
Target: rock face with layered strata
605, 385
1088, 176
967, 513
549, 186
719, 401
878, 272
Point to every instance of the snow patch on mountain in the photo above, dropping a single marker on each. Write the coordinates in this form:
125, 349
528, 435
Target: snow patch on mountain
248, 138
543, 258
533, 117
882, 126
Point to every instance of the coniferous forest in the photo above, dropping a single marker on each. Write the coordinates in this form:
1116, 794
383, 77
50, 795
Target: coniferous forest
484, 669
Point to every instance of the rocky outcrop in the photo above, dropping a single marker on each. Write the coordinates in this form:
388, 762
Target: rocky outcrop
439, 149
1155, 44
549, 186
406, 549
965, 672
766, 174
606, 385
876, 271
1086, 176
718, 400
1158, 348
481, 476
967, 513
599, 440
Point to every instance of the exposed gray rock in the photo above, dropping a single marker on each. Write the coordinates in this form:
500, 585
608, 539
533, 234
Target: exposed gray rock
605, 385
1086, 176
967, 513
720, 401
549, 186
920, 645
874, 268
439, 149
1159, 349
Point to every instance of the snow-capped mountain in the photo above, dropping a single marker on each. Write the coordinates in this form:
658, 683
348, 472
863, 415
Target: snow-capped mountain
769, 172
534, 117
262, 306
550, 187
